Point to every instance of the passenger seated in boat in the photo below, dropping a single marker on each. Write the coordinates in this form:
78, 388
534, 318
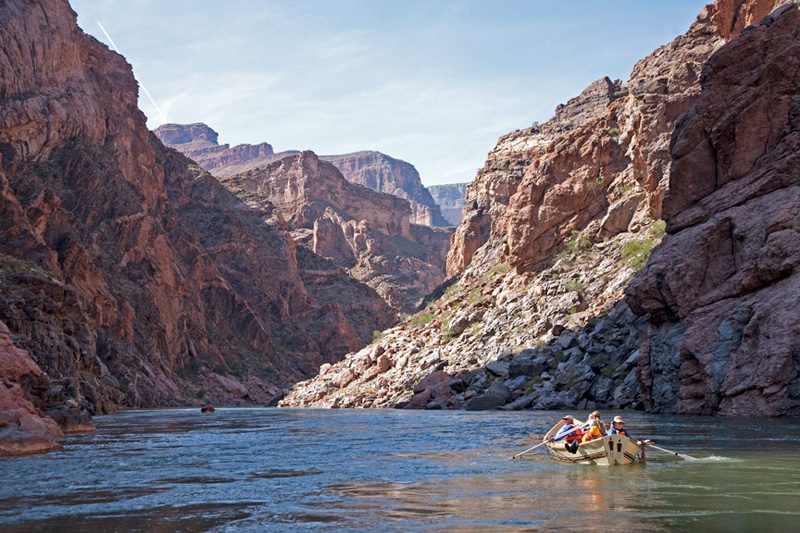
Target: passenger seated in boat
595, 428
569, 432
617, 427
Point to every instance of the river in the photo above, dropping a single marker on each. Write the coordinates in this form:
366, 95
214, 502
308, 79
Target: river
391, 470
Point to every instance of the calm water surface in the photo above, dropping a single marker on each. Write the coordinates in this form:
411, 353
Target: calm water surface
386, 470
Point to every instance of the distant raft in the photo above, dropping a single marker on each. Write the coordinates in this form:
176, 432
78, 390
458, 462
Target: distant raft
608, 450
207, 408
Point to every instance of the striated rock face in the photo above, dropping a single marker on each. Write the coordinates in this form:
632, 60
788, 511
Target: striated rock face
128, 274
450, 199
722, 291
199, 143
356, 228
489, 194
604, 154
375, 170
23, 427
556, 225
385, 174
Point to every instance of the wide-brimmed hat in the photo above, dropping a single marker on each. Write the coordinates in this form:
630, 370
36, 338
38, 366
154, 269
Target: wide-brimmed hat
567, 417
618, 419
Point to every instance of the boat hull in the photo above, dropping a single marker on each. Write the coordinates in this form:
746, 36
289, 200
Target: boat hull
608, 450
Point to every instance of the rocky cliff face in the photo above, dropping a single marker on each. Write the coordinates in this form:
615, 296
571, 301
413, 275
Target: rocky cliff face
375, 170
199, 143
129, 275
722, 291
23, 427
555, 226
358, 229
450, 199
385, 174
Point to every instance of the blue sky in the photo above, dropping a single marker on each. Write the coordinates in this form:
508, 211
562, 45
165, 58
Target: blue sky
434, 82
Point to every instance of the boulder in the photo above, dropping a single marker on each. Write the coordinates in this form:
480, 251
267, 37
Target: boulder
495, 396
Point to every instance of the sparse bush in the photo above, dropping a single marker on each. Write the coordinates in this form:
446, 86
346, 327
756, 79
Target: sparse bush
578, 244
658, 229
574, 286
608, 370
420, 319
637, 253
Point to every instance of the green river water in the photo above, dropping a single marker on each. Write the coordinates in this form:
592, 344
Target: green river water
386, 470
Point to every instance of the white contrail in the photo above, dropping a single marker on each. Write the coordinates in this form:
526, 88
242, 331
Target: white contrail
163, 117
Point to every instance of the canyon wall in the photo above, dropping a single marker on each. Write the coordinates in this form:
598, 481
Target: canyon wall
723, 290
450, 199
375, 170
130, 276
563, 216
365, 232
199, 143
386, 174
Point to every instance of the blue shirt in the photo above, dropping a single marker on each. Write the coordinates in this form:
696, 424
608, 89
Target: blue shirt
614, 431
562, 432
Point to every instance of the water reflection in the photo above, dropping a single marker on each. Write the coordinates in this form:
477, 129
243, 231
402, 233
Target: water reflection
280, 470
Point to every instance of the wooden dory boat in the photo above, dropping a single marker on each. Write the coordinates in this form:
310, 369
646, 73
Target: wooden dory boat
608, 450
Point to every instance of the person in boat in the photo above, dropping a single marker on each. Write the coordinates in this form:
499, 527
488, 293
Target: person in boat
569, 432
594, 427
207, 408
617, 427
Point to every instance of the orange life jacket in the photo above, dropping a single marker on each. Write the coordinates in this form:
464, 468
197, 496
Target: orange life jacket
576, 435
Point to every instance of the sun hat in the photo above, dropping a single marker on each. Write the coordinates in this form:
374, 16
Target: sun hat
618, 419
567, 417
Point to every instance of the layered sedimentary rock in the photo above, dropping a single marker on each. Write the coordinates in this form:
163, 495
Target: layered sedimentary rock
723, 291
375, 170
129, 275
450, 199
23, 427
200, 143
358, 229
386, 174
556, 225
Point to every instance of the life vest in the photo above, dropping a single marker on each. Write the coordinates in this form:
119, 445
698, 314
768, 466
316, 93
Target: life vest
591, 433
575, 436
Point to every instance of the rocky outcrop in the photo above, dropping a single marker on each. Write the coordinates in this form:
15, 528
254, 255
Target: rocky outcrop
556, 225
386, 174
608, 146
356, 228
450, 199
722, 291
374, 170
489, 194
128, 274
23, 427
200, 143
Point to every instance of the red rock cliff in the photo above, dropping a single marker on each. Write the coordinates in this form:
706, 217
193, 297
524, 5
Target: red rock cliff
723, 290
362, 230
129, 275
600, 165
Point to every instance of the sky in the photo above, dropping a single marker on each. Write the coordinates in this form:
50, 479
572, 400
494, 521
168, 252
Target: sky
431, 82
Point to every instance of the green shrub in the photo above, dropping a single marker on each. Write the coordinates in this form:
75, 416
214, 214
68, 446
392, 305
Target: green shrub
608, 370
637, 253
579, 243
658, 229
574, 286
420, 319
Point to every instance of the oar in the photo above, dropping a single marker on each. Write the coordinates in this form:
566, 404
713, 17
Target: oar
576, 428
529, 450
681, 455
